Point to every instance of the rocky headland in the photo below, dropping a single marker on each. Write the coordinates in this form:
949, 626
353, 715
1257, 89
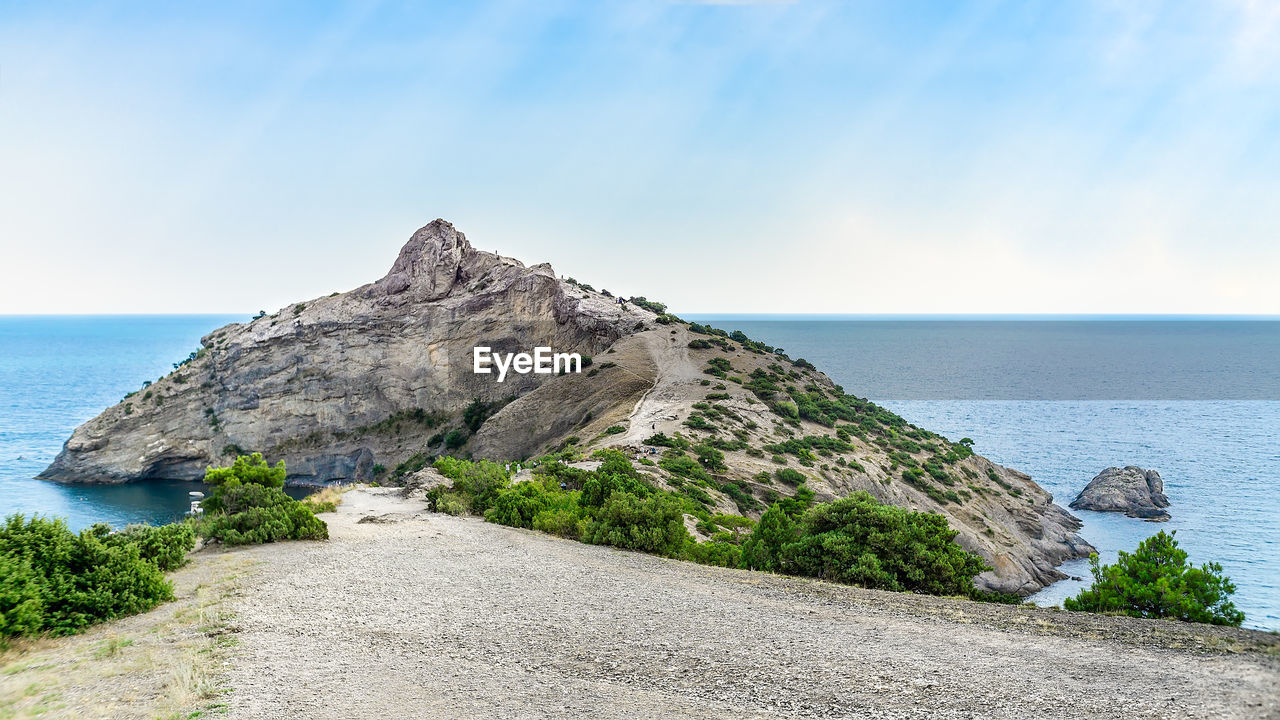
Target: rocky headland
369, 384
1131, 490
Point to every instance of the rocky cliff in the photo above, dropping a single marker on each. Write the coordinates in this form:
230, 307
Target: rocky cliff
370, 383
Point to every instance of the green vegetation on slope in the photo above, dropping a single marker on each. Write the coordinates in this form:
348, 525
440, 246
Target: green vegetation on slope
56, 581
854, 540
59, 582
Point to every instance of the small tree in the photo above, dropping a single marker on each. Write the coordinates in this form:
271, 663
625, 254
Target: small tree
248, 505
246, 470
1155, 581
761, 550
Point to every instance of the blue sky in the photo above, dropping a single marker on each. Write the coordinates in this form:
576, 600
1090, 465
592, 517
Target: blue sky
844, 157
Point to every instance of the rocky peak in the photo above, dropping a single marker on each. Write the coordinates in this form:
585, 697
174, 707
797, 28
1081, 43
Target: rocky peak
431, 263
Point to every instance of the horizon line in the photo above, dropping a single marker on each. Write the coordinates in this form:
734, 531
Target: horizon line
814, 316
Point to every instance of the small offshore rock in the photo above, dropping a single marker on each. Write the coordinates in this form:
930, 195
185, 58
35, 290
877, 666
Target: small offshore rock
1132, 490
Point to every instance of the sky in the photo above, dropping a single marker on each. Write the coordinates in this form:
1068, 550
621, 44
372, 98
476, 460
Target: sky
747, 157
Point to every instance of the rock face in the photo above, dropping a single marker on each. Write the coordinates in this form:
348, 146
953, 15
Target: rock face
1131, 490
337, 385
370, 384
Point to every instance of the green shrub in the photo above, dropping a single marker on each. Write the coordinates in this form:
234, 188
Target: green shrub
723, 554
451, 503
455, 439
21, 599
860, 541
249, 470
248, 506
654, 524
53, 580
1155, 581
559, 521
263, 524
789, 476
654, 307
741, 496
711, 458
480, 481
763, 548
615, 474
518, 506
681, 465
661, 440
614, 430
165, 546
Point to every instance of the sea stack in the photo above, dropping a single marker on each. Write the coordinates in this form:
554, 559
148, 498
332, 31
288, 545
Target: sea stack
1131, 490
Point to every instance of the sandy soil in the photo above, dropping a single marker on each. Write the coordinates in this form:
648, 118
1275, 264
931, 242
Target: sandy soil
410, 614
678, 378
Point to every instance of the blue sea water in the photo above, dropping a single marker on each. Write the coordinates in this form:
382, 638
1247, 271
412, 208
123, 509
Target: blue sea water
55, 373
1062, 399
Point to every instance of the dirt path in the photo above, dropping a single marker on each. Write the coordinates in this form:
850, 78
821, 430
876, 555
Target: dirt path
430, 616
657, 409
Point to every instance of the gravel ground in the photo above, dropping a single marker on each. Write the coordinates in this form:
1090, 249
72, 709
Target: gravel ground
429, 616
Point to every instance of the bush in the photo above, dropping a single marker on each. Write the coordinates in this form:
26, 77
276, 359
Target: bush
711, 458
654, 524
255, 525
1155, 581
860, 541
165, 546
558, 521
789, 476
453, 504
455, 439
518, 506
614, 430
53, 580
681, 465
244, 470
248, 506
615, 474
480, 482
762, 550
21, 599
723, 554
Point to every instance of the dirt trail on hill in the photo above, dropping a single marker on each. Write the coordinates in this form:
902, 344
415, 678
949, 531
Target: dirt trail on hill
416, 615
658, 408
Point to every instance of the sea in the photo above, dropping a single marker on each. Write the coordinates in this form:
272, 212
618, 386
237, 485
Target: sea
1060, 398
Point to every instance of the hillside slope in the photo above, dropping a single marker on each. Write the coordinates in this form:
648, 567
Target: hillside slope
370, 383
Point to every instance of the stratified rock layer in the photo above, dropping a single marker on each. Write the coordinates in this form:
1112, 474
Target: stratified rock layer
371, 383
1131, 490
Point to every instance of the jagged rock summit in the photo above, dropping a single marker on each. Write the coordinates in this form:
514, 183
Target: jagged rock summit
372, 383
1131, 490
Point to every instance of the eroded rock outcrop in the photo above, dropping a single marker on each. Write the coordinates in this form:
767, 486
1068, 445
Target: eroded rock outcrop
370, 384
1131, 490
338, 385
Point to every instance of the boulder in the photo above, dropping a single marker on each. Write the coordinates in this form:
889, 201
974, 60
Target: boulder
1131, 490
